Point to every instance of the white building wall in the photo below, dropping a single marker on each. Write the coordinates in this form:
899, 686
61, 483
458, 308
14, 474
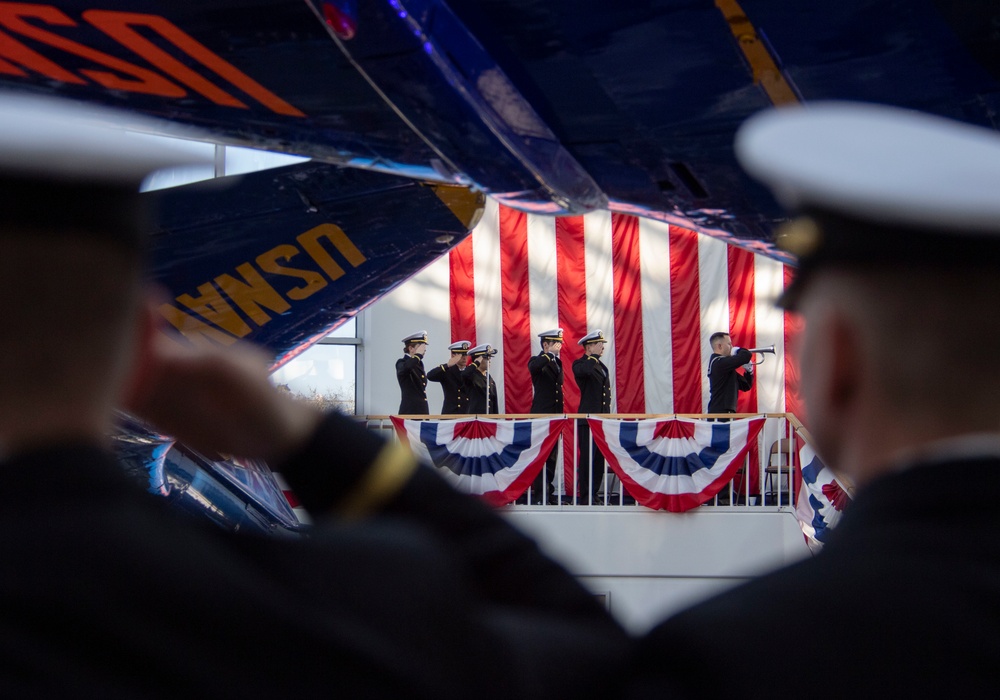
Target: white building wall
651, 564
420, 304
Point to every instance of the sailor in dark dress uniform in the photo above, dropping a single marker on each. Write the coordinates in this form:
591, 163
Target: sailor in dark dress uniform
546, 371
411, 377
403, 588
897, 233
724, 382
594, 380
449, 375
475, 376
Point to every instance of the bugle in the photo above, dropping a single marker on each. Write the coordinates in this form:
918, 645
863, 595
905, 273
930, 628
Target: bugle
760, 351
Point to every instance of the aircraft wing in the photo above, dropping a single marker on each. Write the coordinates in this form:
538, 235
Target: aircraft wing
281, 257
278, 257
548, 105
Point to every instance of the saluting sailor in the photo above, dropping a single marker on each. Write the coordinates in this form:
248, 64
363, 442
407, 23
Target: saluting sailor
411, 377
547, 374
484, 613
547, 380
594, 380
449, 374
476, 376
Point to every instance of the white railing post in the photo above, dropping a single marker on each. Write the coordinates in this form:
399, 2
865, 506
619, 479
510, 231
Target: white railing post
577, 467
779, 472
792, 452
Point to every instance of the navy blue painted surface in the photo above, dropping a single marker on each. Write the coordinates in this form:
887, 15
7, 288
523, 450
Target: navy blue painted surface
211, 233
635, 91
279, 44
207, 232
548, 104
444, 82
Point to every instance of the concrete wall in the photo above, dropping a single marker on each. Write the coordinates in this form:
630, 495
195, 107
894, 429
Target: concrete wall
420, 304
655, 563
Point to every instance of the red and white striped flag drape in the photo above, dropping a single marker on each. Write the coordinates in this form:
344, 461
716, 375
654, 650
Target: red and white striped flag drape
657, 291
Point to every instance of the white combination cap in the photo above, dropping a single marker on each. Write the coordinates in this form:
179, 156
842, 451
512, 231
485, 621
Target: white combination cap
50, 138
876, 163
593, 337
414, 338
67, 167
480, 350
876, 186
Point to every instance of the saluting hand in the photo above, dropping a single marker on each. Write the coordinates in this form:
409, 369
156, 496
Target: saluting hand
213, 398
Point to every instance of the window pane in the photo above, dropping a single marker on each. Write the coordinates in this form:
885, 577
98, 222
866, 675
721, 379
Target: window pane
323, 374
248, 160
174, 177
348, 330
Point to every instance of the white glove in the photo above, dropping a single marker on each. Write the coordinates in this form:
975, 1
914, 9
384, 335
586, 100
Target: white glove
748, 367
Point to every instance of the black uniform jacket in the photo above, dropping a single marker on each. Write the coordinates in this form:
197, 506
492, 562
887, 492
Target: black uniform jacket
595, 384
475, 387
901, 603
725, 382
108, 593
456, 399
412, 385
547, 379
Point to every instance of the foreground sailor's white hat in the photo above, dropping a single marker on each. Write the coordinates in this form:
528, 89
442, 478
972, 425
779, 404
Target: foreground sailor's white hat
414, 338
70, 167
876, 184
552, 336
592, 337
460, 346
480, 350
52, 138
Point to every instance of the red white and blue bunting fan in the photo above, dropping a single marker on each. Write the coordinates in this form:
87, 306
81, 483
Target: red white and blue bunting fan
495, 459
675, 464
821, 498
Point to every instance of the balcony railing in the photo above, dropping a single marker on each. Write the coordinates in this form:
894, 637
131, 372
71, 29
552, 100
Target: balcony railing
764, 481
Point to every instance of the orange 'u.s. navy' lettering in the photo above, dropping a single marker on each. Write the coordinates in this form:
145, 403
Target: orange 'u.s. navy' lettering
166, 77
232, 304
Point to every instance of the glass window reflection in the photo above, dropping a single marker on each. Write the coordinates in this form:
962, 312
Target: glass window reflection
324, 375
247, 160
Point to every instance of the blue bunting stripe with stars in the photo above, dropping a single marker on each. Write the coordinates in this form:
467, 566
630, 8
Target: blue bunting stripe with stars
675, 464
495, 459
